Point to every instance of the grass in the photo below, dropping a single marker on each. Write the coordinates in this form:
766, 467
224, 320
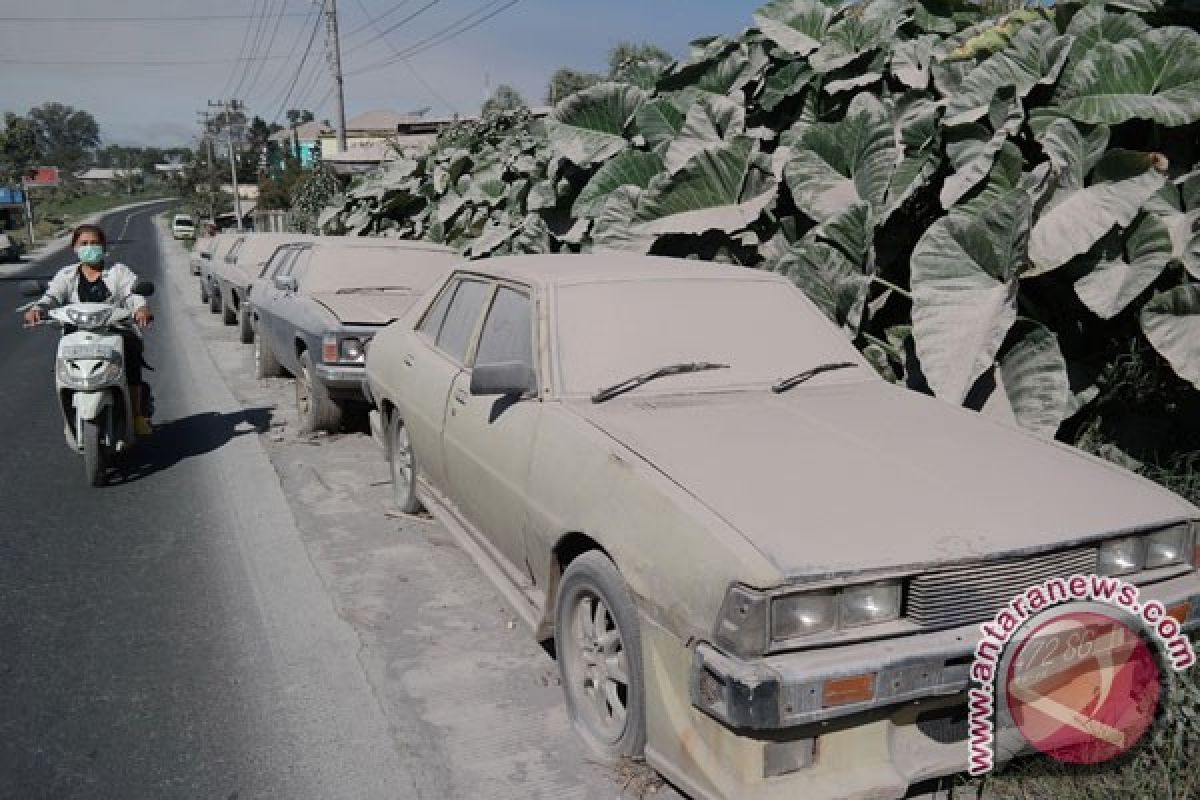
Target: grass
54, 215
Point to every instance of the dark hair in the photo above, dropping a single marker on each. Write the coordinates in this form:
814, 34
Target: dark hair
87, 228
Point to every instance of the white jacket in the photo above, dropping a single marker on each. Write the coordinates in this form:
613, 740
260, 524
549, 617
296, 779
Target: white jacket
120, 280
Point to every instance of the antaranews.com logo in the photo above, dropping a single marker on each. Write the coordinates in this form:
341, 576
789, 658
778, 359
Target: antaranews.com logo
1076, 675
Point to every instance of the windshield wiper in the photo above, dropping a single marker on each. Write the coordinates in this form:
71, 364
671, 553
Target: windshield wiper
367, 289
610, 392
800, 377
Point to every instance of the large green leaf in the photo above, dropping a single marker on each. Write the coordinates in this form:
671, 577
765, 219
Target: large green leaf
830, 280
1035, 56
1116, 281
710, 121
1032, 373
658, 121
615, 227
912, 61
849, 39
972, 148
1171, 321
917, 138
785, 82
589, 126
1155, 76
798, 26
838, 164
1077, 218
965, 272
630, 168
1092, 24
722, 188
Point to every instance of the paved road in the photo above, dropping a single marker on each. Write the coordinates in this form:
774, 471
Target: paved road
166, 636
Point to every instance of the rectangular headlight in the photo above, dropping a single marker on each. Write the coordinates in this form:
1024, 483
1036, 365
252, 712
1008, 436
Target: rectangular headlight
1172, 546
803, 614
870, 603
1121, 556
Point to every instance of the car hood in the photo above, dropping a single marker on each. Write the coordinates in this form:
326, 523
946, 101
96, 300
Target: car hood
840, 478
366, 309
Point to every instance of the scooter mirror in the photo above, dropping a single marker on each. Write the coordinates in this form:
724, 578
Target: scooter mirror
144, 288
33, 288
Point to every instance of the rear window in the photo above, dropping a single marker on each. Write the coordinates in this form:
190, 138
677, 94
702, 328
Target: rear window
183, 221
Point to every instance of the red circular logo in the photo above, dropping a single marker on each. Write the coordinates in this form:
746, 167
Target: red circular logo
1083, 687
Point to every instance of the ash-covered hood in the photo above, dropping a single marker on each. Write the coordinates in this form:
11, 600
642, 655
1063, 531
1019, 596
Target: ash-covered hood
367, 308
826, 479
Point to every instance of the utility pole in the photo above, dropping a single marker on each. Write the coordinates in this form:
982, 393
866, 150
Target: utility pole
230, 106
335, 63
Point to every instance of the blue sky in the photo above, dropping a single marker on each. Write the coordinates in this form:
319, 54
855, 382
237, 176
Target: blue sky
155, 104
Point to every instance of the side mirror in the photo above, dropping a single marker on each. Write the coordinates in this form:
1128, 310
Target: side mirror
285, 283
34, 288
506, 378
206, 256
144, 288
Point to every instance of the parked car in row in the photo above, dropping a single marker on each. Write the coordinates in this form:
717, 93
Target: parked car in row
762, 566
183, 226
318, 304
201, 252
10, 248
223, 244
232, 276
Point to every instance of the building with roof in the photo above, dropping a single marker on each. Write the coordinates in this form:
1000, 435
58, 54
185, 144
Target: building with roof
303, 142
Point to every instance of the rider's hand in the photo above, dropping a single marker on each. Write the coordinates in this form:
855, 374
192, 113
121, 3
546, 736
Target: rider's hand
33, 316
143, 316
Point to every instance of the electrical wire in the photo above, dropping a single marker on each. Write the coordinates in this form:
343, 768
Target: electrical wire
177, 63
241, 49
279, 80
206, 18
303, 59
373, 23
270, 44
255, 42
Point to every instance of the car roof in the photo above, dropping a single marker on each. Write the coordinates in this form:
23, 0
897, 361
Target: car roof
380, 241
609, 266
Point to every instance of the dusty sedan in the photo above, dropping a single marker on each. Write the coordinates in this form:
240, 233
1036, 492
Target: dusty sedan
317, 305
232, 276
762, 565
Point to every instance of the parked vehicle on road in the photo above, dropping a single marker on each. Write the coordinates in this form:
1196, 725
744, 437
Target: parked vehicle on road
10, 249
183, 226
224, 244
318, 304
762, 566
201, 251
233, 274
90, 378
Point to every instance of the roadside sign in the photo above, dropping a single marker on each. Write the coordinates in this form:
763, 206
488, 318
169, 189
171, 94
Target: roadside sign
11, 197
41, 178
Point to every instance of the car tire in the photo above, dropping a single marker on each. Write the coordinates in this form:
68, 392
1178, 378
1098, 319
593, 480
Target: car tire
214, 301
403, 464
229, 314
245, 325
265, 363
203, 292
318, 411
598, 644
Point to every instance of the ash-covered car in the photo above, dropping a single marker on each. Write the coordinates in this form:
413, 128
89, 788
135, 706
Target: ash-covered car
763, 566
317, 305
232, 276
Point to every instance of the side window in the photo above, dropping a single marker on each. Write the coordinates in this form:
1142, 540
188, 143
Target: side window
455, 334
231, 256
437, 312
278, 262
508, 331
299, 265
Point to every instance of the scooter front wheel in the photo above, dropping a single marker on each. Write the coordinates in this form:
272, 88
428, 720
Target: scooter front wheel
93, 453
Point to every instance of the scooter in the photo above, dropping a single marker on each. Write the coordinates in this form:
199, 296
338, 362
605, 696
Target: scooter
90, 378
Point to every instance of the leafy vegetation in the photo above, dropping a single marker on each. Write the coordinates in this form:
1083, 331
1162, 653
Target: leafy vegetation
994, 208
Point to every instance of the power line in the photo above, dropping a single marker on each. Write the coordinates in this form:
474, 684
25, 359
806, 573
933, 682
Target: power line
180, 63
451, 31
303, 59
373, 23
241, 48
205, 18
380, 34
270, 88
270, 44
259, 26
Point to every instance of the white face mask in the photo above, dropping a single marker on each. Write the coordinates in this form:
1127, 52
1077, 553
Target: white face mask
90, 253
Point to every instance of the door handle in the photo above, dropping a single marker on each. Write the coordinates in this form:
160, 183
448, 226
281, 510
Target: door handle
409, 360
460, 396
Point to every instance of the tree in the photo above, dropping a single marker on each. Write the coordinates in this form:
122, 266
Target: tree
566, 81
296, 116
66, 136
629, 56
505, 98
18, 147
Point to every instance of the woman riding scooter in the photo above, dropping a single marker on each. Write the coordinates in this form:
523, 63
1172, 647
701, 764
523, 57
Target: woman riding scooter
94, 281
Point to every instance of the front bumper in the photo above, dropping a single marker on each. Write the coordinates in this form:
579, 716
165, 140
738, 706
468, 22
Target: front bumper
341, 378
787, 690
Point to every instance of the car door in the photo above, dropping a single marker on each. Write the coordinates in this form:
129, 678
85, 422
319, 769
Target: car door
432, 356
488, 439
286, 308
266, 296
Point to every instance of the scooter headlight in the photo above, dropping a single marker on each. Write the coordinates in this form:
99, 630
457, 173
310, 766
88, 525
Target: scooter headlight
89, 319
87, 374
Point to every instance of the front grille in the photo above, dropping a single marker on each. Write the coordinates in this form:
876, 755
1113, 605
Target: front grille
976, 592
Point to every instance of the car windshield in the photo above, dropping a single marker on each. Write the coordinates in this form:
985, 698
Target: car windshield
183, 220
764, 331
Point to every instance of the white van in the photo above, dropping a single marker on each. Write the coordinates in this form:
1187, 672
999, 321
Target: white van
183, 227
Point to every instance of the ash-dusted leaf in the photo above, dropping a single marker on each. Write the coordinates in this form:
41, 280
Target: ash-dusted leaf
533, 236
721, 75
1115, 282
658, 121
972, 148
494, 236
615, 227
935, 16
917, 137
838, 164
543, 196
709, 122
721, 188
577, 232
1073, 154
1171, 321
1184, 228
1155, 77
986, 37
589, 126
912, 60
1077, 218
797, 26
830, 280
1033, 376
788, 81
1092, 24
1035, 56
964, 275
630, 168
849, 39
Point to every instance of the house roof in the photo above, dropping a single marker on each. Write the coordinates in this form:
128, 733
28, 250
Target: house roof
379, 120
107, 174
305, 132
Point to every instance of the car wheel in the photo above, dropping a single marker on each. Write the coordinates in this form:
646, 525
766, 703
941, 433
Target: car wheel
265, 363
404, 467
599, 649
318, 411
203, 291
245, 325
229, 314
214, 301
